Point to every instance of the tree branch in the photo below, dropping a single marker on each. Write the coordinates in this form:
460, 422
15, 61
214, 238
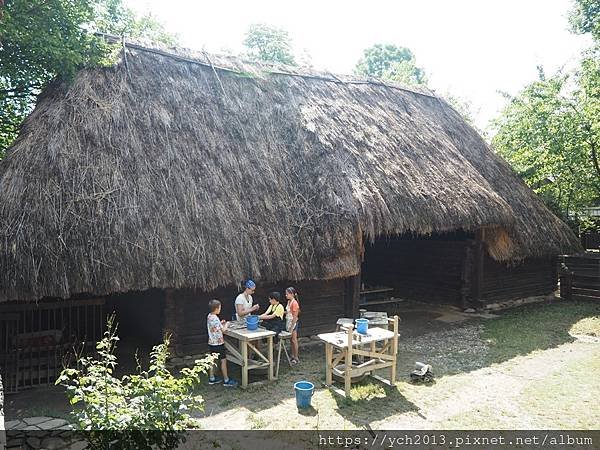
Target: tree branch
21, 89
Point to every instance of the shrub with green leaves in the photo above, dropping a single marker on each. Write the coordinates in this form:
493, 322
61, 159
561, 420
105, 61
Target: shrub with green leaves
150, 408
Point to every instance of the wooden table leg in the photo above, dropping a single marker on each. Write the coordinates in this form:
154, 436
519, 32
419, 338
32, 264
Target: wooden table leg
270, 344
278, 357
244, 364
328, 364
348, 371
394, 350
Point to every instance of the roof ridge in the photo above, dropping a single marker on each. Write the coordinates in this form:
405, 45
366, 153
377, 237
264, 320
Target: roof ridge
332, 78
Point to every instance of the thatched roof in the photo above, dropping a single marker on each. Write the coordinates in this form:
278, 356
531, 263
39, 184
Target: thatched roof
178, 171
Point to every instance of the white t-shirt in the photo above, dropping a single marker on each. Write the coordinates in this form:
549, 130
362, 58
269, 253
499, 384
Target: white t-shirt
245, 301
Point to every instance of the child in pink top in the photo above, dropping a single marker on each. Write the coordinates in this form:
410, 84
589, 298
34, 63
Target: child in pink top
293, 313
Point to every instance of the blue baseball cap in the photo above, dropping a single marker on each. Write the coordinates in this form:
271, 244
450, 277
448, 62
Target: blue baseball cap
250, 284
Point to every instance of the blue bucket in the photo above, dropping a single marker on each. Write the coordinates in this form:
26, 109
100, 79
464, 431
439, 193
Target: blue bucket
304, 391
362, 325
251, 322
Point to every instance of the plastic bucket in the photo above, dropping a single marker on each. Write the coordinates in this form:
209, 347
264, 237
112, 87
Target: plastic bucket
304, 391
362, 325
252, 322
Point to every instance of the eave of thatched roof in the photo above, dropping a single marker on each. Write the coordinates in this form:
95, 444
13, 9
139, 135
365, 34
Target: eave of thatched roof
178, 170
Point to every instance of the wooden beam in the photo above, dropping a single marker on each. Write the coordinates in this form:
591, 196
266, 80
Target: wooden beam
258, 353
478, 269
348, 350
376, 354
270, 344
382, 380
337, 360
394, 351
466, 277
328, 363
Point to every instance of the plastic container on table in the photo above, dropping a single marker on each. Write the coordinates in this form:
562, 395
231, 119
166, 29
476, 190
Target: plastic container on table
252, 322
362, 326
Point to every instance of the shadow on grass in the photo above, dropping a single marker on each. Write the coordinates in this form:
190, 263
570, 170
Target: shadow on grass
308, 412
534, 327
372, 401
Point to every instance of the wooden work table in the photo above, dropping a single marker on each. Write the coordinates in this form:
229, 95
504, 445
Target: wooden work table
238, 339
341, 346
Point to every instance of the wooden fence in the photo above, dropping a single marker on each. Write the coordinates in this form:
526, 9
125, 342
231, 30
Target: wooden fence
580, 276
37, 339
590, 241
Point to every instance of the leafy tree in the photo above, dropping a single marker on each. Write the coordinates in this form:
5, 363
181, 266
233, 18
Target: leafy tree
112, 17
585, 17
269, 44
549, 134
44, 39
150, 408
390, 62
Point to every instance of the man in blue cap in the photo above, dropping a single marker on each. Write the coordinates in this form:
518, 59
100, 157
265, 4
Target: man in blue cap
243, 302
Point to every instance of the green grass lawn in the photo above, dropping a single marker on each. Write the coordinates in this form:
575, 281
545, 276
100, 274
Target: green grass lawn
539, 327
567, 398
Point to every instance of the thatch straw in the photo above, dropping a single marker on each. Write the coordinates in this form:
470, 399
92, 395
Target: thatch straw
196, 171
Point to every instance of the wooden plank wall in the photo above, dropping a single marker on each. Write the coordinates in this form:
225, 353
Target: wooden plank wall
419, 269
321, 304
445, 271
590, 240
584, 276
531, 277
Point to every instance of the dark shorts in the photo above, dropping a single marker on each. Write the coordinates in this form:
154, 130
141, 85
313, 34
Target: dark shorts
219, 349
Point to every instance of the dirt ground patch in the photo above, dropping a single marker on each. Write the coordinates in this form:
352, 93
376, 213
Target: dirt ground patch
523, 369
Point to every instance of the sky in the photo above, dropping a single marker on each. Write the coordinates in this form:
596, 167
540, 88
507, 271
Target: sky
472, 49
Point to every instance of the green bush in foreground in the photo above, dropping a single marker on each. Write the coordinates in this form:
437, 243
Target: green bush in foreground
148, 409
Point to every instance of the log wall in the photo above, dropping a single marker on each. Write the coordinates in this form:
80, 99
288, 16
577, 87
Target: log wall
321, 304
454, 269
531, 277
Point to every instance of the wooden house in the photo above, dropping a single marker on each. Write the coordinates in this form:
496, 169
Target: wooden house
157, 184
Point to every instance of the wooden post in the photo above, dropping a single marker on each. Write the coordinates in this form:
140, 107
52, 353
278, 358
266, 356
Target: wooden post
566, 282
348, 371
270, 343
244, 348
352, 296
394, 351
328, 364
466, 277
478, 260
555, 274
